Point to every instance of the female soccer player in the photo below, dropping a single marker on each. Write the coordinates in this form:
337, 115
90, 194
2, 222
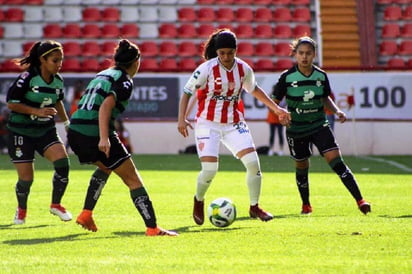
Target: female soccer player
93, 138
34, 99
218, 84
307, 91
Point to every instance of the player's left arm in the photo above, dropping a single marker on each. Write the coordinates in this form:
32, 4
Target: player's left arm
61, 112
330, 104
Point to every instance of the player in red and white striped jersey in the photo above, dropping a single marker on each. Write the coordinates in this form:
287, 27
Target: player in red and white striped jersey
218, 84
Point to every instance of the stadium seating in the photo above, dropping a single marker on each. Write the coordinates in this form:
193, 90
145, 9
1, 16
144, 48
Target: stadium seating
167, 14
396, 63
300, 2
263, 14
188, 49
168, 64
72, 30
149, 65
245, 48
406, 30
9, 66
91, 14
187, 31
282, 14
390, 30
405, 47
264, 64
168, 30
72, 14
110, 14
71, 64
244, 14
302, 30
52, 31
168, 49
225, 14
148, 14
110, 31
72, 49
187, 14
129, 14
204, 30
301, 14
392, 13
107, 48
91, 31
33, 14
14, 15
388, 48
282, 49
129, 30
407, 13
282, 64
149, 49
187, 64
206, 14
90, 65
263, 31
91, 48
282, 31
244, 31
264, 49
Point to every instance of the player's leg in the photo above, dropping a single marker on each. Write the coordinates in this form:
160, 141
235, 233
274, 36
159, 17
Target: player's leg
239, 141
300, 150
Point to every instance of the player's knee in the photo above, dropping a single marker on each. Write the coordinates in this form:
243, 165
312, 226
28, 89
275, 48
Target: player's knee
61, 167
209, 170
251, 163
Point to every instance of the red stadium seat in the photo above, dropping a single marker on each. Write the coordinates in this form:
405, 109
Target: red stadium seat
265, 64
91, 14
168, 30
168, 64
149, 49
1, 15
108, 47
225, 2
72, 31
263, 15
282, 14
384, 2
249, 61
33, 2
409, 63
72, 49
281, 2
392, 13
129, 31
225, 15
264, 31
110, 31
388, 48
390, 30
301, 30
283, 64
407, 13
27, 46
187, 64
91, 31
188, 49
14, 15
52, 31
282, 31
187, 31
9, 66
91, 48
406, 30
90, 65
71, 65
264, 49
110, 14
227, 26
149, 65
106, 63
282, 49
244, 2
405, 47
396, 63
1, 31
205, 30
187, 14
301, 14
205, 2
206, 14
244, 31
168, 48
245, 49
263, 2
244, 14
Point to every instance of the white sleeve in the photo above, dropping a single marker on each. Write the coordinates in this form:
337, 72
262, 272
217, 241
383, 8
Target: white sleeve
197, 80
249, 81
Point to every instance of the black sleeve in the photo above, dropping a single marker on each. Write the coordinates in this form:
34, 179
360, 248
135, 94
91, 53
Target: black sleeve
327, 89
280, 88
19, 88
123, 88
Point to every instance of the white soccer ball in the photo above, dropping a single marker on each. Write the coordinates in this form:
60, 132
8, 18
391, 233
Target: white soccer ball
221, 212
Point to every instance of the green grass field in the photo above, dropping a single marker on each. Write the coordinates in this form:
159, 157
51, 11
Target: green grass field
336, 238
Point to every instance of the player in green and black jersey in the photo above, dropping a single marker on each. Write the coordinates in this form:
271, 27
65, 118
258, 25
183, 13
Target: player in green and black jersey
307, 91
93, 138
34, 98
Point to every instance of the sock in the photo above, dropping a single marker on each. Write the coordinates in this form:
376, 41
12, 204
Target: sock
253, 176
143, 204
60, 179
346, 176
97, 182
22, 192
205, 177
302, 182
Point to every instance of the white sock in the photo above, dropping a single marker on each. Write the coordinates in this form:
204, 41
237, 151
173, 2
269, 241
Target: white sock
253, 176
205, 177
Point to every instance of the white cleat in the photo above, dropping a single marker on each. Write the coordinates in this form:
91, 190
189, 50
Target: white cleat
61, 212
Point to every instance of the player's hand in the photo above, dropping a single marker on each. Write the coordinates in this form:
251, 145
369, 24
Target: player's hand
104, 146
341, 116
284, 117
182, 127
47, 112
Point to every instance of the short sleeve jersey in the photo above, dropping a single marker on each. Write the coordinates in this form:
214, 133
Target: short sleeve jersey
304, 99
112, 81
30, 89
219, 89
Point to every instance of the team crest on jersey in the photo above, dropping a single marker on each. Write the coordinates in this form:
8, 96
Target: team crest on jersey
318, 83
201, 146
19, 153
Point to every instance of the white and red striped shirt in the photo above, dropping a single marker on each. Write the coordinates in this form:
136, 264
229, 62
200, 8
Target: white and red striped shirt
219, 89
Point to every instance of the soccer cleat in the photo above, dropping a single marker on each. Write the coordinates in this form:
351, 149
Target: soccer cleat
20, 216
306, 209
364, 206
86, 221
256, 212
198, 211
158, 231
58, 210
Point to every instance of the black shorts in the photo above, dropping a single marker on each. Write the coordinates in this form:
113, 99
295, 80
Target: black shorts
22, 147
87, 150
301, 148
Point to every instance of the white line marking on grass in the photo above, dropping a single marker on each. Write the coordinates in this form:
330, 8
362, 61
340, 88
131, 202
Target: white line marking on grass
389, 162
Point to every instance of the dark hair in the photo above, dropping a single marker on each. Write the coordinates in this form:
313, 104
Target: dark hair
221, 38
37, 50
126, 53
302, 40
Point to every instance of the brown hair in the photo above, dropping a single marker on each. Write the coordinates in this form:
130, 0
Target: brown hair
38, 50
126, 53
218, 39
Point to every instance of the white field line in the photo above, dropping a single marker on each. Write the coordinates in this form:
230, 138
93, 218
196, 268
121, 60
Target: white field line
389, 162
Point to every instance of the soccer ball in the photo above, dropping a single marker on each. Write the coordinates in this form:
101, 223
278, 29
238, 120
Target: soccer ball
221, 212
